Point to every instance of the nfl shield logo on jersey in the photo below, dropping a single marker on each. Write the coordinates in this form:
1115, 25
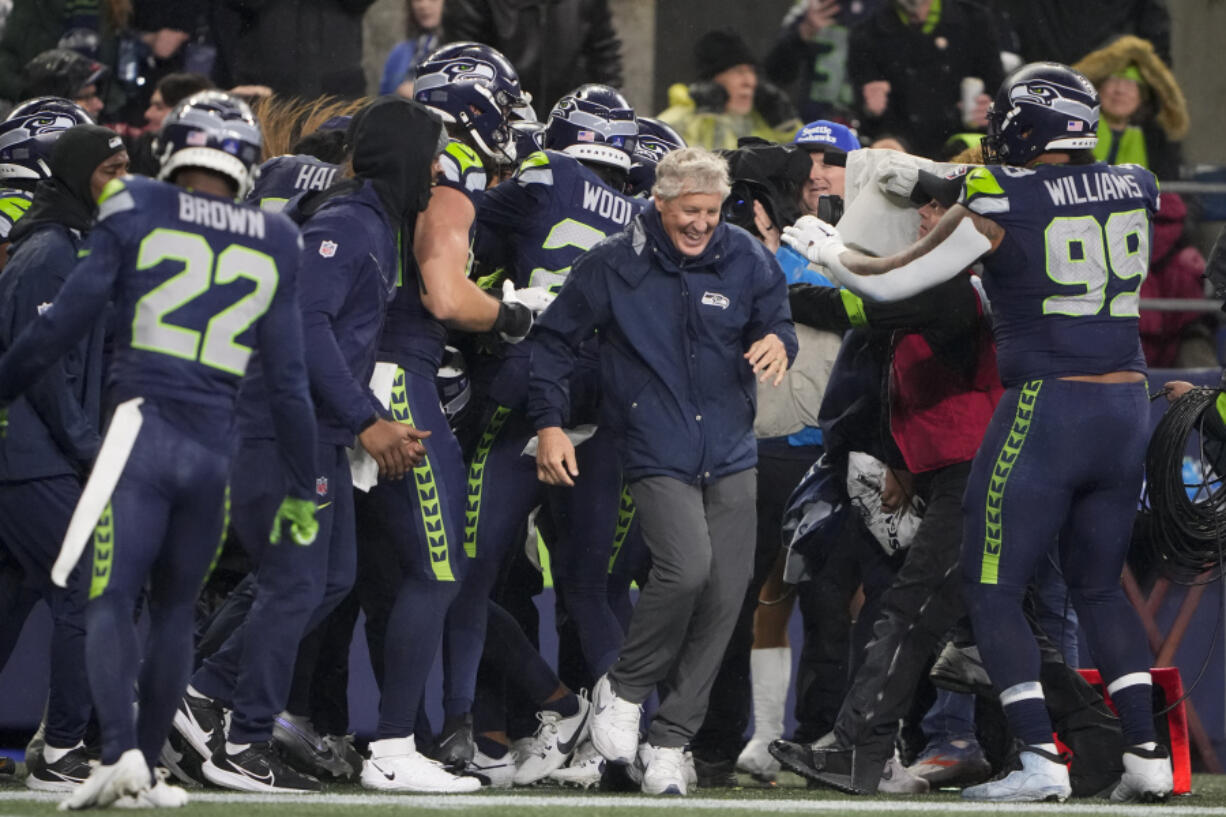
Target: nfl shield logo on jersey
321, 486
327, 248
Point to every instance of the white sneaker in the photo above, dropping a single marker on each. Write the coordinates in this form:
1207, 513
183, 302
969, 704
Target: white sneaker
161, 795
615, 724
663, 769
1147, 776
770, 671
396, 765
689, 770
1043, 776
493, 772
554, 742
896, 779
127, 776
584, 770
755, 759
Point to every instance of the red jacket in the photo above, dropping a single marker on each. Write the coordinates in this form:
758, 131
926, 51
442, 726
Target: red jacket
938, 413
1173, 273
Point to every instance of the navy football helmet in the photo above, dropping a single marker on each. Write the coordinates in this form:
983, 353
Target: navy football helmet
211, 130
28, 133
593, 123
475, 87
655, 139
1041, 106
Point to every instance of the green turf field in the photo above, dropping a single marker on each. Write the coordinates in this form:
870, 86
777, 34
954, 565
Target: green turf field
1208, 798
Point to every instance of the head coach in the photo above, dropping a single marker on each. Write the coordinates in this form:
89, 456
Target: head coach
688, 310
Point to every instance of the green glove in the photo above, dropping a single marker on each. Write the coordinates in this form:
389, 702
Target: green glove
4, 422
300, 514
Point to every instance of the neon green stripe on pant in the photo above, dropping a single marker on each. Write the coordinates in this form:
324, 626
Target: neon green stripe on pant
476, 478
428, 502
994, 510
104, 551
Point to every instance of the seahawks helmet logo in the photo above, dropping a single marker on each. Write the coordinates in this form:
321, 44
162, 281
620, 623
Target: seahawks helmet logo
1055, 96
468, 71
36, 125
652, 147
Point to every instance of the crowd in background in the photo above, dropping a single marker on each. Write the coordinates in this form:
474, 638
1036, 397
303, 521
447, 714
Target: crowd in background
913, 76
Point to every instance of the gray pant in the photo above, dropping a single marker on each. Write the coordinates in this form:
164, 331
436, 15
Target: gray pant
701, 540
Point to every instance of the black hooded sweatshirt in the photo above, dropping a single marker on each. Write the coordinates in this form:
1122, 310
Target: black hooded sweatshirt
53, 428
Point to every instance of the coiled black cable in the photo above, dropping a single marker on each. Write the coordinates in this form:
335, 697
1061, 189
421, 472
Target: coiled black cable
1186, 534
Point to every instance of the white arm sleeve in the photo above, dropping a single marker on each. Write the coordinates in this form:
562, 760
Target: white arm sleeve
959, 250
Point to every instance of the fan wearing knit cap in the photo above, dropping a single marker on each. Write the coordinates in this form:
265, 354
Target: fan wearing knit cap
729, 101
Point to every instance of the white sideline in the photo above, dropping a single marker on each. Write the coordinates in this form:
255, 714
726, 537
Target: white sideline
574, 801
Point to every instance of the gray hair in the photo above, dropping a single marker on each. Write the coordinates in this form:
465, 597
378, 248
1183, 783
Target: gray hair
691, 170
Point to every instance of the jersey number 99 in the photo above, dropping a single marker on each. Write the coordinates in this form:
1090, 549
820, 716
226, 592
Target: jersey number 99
201, 270
1082, 252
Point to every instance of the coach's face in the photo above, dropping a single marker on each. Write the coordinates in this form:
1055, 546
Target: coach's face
690, 219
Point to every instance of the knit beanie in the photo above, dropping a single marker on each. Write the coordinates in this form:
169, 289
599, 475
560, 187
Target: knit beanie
721, 49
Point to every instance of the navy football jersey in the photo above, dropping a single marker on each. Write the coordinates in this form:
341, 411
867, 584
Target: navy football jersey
283, 177
550, 212
13, 205
412, 337
1064, 283
196, 281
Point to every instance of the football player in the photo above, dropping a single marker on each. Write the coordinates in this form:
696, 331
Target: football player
349, 271
199, 283
54, 436
560, 202
419, 523
1065, 246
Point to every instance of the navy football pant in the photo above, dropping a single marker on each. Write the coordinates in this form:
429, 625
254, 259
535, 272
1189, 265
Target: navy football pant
296, 585
591, 528
33, 518
1060, 466
421, 520
163, 528
502, 491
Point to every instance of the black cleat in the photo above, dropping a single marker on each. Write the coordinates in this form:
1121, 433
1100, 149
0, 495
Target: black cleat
258, 768
64, 775
829, 765
455, 747
311, 753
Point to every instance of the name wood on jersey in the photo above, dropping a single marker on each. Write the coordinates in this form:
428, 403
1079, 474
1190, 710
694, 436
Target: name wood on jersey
606, 203
1088, 187
221, 216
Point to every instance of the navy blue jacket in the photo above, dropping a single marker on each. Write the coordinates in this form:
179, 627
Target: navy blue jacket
673, 332
347, 278
53, 427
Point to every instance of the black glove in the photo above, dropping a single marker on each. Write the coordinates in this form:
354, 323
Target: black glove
773, 104
709, 97
514, 321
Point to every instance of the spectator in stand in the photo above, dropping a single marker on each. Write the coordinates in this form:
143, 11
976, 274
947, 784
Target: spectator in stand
907, 63
555, 45
1144, 113
37, 26
728, 102
299, 48
809, 56
67, 74
1176, 270
425, 33
1066, 32
827, 144
170, 91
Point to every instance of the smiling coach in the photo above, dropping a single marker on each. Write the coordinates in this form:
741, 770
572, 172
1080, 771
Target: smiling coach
688, 310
